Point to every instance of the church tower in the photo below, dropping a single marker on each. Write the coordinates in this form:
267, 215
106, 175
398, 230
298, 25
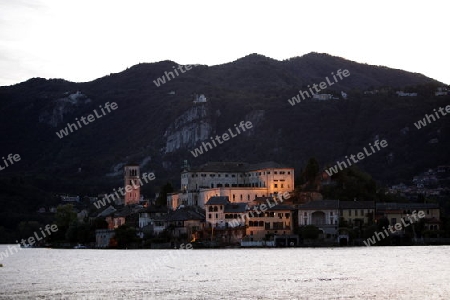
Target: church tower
132, 186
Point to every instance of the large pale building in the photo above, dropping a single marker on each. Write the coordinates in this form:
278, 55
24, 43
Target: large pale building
240, 182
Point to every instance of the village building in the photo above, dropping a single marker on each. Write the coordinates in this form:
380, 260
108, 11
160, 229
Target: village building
240, 182
330, 216
187, 222
395, 212
152, 220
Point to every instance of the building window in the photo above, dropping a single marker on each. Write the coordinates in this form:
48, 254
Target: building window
268, 172
356, 212
278, 225
289, 173
275, 185
275, 172
282, 186
217, 216
248, 197
234, 197
350, 213
209, 216
362, 212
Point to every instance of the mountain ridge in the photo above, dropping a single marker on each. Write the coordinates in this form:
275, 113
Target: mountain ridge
254, 86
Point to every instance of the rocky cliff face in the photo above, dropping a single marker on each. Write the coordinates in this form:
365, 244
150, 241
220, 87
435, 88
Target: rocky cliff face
53, 115
256, 117
192, 126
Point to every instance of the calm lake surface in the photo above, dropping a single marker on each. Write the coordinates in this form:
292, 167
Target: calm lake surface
296, 273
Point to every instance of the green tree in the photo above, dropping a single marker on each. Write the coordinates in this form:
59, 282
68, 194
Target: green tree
79, 233
352, 183
164, 190
125, 236
311, 170
27, 229
99, 223
65, 215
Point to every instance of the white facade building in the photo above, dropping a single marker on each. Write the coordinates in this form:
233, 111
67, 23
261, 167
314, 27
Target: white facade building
240, 182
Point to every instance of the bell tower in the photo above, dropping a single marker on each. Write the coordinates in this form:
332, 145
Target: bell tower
132, 186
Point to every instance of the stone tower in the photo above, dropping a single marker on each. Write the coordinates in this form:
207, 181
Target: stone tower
132, 186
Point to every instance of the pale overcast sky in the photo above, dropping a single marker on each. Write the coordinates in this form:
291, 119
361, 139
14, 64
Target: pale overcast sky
83, 40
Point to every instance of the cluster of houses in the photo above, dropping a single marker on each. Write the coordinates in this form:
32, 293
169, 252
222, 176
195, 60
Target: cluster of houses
440, 91
233, 203
428, 183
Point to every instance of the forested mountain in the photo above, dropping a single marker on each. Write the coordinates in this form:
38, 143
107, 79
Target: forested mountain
158, 126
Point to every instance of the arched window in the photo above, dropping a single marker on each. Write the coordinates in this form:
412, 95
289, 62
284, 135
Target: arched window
215, 208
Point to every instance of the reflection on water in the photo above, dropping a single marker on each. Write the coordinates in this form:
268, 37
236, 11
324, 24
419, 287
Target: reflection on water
332, 273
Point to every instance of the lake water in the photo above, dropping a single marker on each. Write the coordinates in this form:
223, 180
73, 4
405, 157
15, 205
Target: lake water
295, 273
